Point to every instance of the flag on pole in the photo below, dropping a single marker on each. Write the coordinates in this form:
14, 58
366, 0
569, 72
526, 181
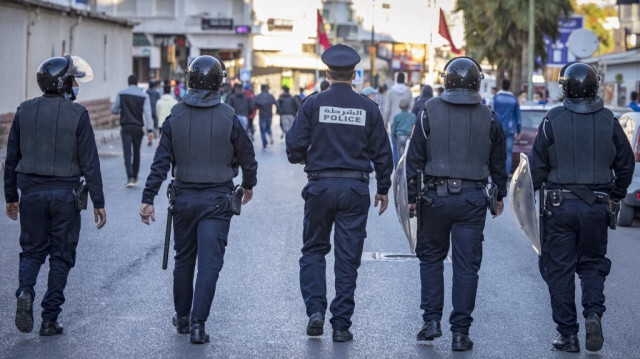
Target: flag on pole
443, 30
322, 35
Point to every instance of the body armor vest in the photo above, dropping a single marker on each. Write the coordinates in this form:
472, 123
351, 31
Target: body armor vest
202, 146
583, 150
48, 139
459, 145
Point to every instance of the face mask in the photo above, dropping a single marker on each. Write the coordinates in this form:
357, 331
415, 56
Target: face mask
71, 97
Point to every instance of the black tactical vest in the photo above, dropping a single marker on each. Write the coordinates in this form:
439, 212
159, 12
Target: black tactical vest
201, 138
583, 150
459, 144
48, 140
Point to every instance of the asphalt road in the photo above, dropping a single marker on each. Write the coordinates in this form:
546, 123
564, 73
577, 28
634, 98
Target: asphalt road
119, 301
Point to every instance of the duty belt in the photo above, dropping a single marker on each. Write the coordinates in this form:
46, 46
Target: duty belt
556, 196
363, 176
446, 186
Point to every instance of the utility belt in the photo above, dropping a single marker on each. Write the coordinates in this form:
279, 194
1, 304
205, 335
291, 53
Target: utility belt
446, 186
359, 175
556, 197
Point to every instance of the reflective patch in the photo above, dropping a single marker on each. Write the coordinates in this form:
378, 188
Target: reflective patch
345, 116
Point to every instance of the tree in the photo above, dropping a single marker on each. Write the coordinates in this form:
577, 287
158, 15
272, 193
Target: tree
594, 17
498, 30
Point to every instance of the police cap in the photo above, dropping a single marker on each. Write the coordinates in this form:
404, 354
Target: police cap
340, 56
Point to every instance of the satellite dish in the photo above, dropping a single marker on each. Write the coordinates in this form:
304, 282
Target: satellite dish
583, 43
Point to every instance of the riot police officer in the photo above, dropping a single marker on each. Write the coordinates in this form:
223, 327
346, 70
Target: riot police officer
51, 145
337, 134
458, 143
206, 142
585, 162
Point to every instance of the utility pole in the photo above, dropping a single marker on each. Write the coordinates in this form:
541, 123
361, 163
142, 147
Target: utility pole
532, 19
373, 49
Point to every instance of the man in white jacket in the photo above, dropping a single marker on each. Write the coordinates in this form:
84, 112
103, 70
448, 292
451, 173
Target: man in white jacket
396, 93
164, 105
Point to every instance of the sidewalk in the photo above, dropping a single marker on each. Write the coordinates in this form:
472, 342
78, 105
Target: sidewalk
102, 136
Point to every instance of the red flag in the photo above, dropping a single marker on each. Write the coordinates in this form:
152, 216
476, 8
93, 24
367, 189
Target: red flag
322, 35
443, 30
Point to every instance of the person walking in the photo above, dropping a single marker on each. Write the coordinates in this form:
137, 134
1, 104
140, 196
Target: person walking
51, 146
287, 109
507, 108
337, 135
396, 93
206, 142
458, 143
265, 102
418, 105
585, 162
154, 96
134, 108
402, 126
241, 104
164, 104
634, 102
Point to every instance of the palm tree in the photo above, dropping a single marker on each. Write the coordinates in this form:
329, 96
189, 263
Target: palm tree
498, 31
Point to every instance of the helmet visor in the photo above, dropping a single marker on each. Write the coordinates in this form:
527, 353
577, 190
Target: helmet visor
80, 69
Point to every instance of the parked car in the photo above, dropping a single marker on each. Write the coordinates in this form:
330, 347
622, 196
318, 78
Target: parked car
532, 116
630, 205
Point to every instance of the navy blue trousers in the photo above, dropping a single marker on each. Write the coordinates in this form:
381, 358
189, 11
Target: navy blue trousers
575, 241
201, 225
344, 202
457, 220
49, 226
131, 142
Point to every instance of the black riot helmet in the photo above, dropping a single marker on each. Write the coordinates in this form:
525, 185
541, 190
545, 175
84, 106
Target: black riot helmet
579, 80
462, 73
57, 74
206, 73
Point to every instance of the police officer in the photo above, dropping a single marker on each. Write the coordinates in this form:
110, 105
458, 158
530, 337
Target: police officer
458, 143
51, 145
205, 142
585, 161
337, 134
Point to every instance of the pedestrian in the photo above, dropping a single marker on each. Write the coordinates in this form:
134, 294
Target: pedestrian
634, 102
458, 143
134, 108
265, 102
178, 90
241, 104
164, 105
51, 145
582, 174
287, 108
507, 108
380, 97
206, 142
154, 96
370, 92
402, 126
337, 134
425, 95
396, 93
523, 97
324, 85
252, 111
440, 90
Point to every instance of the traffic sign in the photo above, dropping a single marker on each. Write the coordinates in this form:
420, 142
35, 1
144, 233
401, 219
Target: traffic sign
558, 53
245, 75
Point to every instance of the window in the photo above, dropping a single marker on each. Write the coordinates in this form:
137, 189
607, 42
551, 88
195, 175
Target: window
165, 8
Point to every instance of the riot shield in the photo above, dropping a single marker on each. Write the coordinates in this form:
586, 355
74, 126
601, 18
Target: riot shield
401, 199
523, 204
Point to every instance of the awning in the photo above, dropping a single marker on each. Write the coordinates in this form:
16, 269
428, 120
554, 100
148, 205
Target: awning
302, 61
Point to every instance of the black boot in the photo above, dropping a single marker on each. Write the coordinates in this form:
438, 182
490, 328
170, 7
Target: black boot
50, 327
181, 324
430, 330
315, 326
567, 343
592, 325
198, 335
461, 342
24, 312
341, 336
